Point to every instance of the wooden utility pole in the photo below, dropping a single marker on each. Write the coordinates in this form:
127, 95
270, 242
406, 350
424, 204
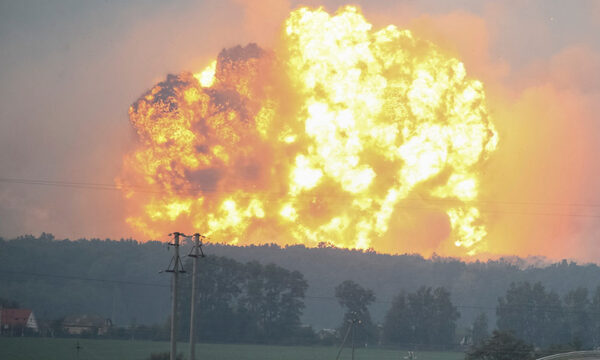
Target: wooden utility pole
196, 253
176, 267
77, 348
353, 321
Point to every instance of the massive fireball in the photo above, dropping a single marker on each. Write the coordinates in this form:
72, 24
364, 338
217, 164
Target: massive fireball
321, 140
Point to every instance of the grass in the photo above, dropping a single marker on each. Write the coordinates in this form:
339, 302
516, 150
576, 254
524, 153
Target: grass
23, 348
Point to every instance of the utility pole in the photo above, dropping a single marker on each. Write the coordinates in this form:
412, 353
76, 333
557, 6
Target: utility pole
77, 348
195, 253
343, 342
176, 267
353, 321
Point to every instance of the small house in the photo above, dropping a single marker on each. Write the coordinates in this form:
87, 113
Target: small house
88, 324
17, 321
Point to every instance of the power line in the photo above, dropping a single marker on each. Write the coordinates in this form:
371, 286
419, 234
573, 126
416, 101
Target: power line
79, 185
82, 278
309, 297
548, 308
107, 186
280, 195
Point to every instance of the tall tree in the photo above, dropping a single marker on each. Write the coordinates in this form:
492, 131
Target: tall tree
221, 283
356, 300
480, 332
445, 315
397, 322
532, 313
421, 305
577, 316
426, 317
244, 302
274, 298
595, 318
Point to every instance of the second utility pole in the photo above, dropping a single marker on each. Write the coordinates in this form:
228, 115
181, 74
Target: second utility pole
176, 269
197, 252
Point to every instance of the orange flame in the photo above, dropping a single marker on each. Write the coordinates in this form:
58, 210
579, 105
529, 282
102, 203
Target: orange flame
322, 141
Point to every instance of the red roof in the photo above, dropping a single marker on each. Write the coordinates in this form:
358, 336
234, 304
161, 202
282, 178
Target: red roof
14, 316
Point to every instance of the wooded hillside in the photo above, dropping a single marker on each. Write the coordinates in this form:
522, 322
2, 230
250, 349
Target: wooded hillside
122, 279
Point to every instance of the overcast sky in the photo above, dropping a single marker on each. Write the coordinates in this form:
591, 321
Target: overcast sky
69, 69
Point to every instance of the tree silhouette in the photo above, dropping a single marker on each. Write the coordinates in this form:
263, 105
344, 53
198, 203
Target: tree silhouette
502, 345
356, 300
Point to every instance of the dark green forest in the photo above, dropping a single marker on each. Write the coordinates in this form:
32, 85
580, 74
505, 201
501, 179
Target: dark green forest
123, 280
244, 303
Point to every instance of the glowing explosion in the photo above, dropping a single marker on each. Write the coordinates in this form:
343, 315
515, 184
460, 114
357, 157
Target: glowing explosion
321, 141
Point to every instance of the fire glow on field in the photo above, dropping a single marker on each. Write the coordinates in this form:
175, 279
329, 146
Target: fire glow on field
321, 140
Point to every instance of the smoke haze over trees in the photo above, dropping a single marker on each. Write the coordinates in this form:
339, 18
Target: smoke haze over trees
121, 280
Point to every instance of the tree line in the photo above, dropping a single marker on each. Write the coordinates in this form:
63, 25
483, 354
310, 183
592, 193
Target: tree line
243, 302
59, 267
534, 322
401, 295
255, 303
263, 303
543, 318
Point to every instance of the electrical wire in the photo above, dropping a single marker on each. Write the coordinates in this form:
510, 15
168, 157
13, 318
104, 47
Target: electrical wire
550, 309
279, 195
82, 278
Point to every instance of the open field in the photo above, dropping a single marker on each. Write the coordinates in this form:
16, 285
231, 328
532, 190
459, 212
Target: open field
64, 349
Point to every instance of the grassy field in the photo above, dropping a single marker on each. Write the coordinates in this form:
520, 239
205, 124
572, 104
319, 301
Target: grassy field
64, 349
